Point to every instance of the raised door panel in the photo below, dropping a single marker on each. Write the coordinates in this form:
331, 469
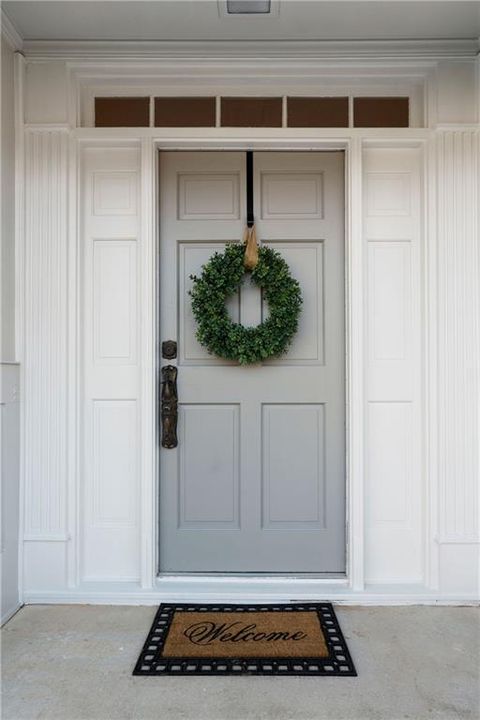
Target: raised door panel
306, 263
209, 196
291, 196
191, 257
293, 468
115, 302
209, 464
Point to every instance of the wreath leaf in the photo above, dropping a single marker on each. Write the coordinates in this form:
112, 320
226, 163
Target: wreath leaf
221, 276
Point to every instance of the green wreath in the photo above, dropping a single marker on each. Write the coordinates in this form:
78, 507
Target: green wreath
221, 277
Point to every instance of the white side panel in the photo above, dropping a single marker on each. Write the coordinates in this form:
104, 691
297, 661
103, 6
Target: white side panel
393, 487
110, 478
114, 301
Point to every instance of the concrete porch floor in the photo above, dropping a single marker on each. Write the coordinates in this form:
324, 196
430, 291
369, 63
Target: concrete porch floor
75, 663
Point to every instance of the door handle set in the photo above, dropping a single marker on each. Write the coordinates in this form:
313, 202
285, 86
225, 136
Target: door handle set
169, 406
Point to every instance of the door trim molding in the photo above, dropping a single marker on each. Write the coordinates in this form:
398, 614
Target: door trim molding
355, 258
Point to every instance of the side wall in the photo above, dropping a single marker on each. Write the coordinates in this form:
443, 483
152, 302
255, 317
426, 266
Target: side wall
9, 371
421, 279
7, 352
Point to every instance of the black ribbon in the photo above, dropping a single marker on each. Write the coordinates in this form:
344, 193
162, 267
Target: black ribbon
250, 217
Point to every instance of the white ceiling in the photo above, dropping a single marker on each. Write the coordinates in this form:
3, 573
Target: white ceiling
205, 20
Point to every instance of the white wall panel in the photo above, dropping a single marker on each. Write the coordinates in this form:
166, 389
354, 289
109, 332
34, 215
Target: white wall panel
392, 490
46, 92
393, 486
110, 466
115, 301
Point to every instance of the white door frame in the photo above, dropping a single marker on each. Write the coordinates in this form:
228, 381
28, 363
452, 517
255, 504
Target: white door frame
354, 359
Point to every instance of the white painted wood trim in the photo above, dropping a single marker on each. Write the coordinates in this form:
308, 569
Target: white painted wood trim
217, 138
239, 49
355, 303
19, 85
355, 259
430, 368
148, 334
355, 370
393, 595
73, 368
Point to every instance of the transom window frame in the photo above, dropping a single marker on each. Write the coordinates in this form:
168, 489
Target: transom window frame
415, 89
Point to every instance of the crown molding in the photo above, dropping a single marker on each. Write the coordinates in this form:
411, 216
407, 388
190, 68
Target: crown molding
10, 33
241, 49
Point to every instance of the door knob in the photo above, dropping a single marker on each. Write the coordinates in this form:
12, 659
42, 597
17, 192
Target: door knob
169, 406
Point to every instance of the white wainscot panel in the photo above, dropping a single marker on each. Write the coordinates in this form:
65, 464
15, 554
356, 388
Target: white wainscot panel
206, 196
305, 260
293, 468
115, 193
209, 466
388, 194
291, 196
191, 258
111, 547
44, 566
390, 337
393, 494
115, 301
392, 198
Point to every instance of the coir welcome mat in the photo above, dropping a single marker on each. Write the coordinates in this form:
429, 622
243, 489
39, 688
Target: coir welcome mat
245, 640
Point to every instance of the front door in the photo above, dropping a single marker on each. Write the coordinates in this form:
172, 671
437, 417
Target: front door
257, 482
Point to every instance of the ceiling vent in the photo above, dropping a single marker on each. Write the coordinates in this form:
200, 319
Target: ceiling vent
248, 7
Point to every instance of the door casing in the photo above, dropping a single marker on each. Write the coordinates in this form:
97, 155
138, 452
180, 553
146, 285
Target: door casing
354, 358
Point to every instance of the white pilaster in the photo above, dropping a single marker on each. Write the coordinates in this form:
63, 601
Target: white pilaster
44, 360
458, 168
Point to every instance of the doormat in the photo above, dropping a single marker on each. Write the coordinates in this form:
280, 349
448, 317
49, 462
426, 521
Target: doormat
245, 640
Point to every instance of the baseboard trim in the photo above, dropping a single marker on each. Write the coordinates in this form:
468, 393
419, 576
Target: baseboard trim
139, 597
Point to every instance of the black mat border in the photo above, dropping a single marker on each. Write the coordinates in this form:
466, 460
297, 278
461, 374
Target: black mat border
339, 662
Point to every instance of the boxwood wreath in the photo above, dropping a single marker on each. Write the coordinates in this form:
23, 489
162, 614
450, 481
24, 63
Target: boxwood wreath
221, 276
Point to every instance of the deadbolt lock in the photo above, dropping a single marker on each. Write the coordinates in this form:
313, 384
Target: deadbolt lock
169, 349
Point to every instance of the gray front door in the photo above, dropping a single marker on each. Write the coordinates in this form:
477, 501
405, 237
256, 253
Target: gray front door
257, 482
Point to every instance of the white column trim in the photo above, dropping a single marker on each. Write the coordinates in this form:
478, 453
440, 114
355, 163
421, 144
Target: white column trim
147, 263
356, 410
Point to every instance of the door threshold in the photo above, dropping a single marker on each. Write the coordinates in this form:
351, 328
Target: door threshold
256, 578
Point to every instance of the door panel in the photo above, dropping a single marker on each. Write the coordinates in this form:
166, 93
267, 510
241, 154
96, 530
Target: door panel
257, 482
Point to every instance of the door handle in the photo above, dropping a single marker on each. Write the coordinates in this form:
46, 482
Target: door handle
169, 406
